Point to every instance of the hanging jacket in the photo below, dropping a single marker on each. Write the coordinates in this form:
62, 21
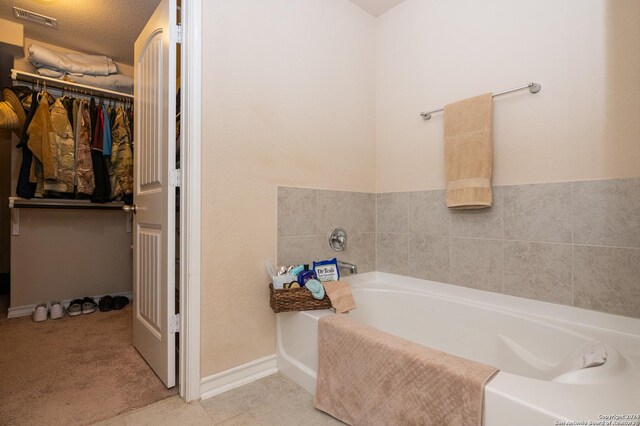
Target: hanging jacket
121, 157
102, 190
24, 187
112, 115
106, 133
63, 150
67, 101
84, 178
42, 140
106, 148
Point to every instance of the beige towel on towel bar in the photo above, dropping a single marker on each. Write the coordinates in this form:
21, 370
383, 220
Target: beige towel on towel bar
468, 152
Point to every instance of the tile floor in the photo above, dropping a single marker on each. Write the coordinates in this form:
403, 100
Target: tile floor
274, 400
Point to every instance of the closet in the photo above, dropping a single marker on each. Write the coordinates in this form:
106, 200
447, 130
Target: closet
51, 227
69, 240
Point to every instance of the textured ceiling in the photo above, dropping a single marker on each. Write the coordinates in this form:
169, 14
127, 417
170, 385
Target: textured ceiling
377, 7
104, 27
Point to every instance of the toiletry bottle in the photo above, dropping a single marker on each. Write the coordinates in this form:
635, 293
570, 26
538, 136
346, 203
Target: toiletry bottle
305, 276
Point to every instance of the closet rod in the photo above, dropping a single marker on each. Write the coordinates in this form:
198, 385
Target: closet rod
28, 77
533, 88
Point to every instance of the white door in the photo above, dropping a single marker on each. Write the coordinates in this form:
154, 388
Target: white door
154, 197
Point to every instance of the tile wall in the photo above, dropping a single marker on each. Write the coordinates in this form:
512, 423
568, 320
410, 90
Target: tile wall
573, 243
305, 217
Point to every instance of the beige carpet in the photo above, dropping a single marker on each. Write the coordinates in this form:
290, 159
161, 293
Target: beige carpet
75, 370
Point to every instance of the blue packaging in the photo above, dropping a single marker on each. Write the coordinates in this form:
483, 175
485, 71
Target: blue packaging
327, 270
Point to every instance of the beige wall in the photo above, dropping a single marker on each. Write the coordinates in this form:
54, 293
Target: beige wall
11, 35
69, 254
582, 125
288, 99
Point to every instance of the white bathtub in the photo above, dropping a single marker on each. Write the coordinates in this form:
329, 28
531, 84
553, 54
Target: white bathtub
530, 342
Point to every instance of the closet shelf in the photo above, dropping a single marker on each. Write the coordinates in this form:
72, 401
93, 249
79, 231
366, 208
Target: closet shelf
28, 77
54, 203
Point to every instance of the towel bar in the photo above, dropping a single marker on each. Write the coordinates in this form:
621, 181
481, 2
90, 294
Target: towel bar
533, 88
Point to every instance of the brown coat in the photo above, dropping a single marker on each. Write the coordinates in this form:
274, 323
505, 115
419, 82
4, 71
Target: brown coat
63, 150
42, 140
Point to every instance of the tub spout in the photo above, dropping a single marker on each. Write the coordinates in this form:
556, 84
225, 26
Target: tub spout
353, 269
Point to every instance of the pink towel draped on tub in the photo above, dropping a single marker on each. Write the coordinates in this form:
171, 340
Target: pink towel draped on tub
368, 377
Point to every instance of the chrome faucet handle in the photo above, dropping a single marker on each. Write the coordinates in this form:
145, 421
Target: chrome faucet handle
337, 239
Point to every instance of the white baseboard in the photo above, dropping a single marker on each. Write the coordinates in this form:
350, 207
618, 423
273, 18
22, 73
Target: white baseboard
21, 311
237, 376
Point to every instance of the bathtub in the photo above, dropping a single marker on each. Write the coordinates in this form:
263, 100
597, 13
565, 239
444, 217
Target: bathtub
532, 343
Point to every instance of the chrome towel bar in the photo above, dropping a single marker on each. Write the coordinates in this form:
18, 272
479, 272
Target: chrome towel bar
533, 88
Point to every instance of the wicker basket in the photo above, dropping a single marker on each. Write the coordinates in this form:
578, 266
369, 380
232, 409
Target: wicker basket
296, 299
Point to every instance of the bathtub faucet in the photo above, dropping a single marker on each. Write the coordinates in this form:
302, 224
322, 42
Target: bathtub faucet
353, 269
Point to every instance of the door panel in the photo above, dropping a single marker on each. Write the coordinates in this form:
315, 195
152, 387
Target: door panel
154, 157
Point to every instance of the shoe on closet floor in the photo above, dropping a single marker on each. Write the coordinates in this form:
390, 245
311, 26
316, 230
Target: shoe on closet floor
89, 305
56, 309
75, 307
106, 304
40, 312
119, 302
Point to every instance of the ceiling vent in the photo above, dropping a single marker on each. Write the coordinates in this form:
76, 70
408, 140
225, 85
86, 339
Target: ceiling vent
35, 17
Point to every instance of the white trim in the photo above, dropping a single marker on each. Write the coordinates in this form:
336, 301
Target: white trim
23, 311
238, 376
190, 143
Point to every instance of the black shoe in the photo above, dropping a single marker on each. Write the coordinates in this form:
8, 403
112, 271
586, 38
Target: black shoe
75, 307
120, 302
89, 305
106, 304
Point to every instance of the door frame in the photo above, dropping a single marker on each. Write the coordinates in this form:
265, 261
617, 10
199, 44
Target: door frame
190, 164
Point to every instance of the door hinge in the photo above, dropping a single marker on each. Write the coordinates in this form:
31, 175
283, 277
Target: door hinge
175, 177
174, 323
176, 34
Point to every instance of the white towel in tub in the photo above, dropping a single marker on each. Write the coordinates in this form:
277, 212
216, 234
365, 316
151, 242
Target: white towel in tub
593, 354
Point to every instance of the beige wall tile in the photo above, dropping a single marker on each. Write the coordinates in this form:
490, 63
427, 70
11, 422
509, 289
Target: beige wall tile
353, 211
607, 279
480, 223
607, 212
429, 257
538, 212
298, 250
392, 253
392, 210
361, 250
333, 211
363, 211
477, 263
297, 209
538, 271
428, 213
